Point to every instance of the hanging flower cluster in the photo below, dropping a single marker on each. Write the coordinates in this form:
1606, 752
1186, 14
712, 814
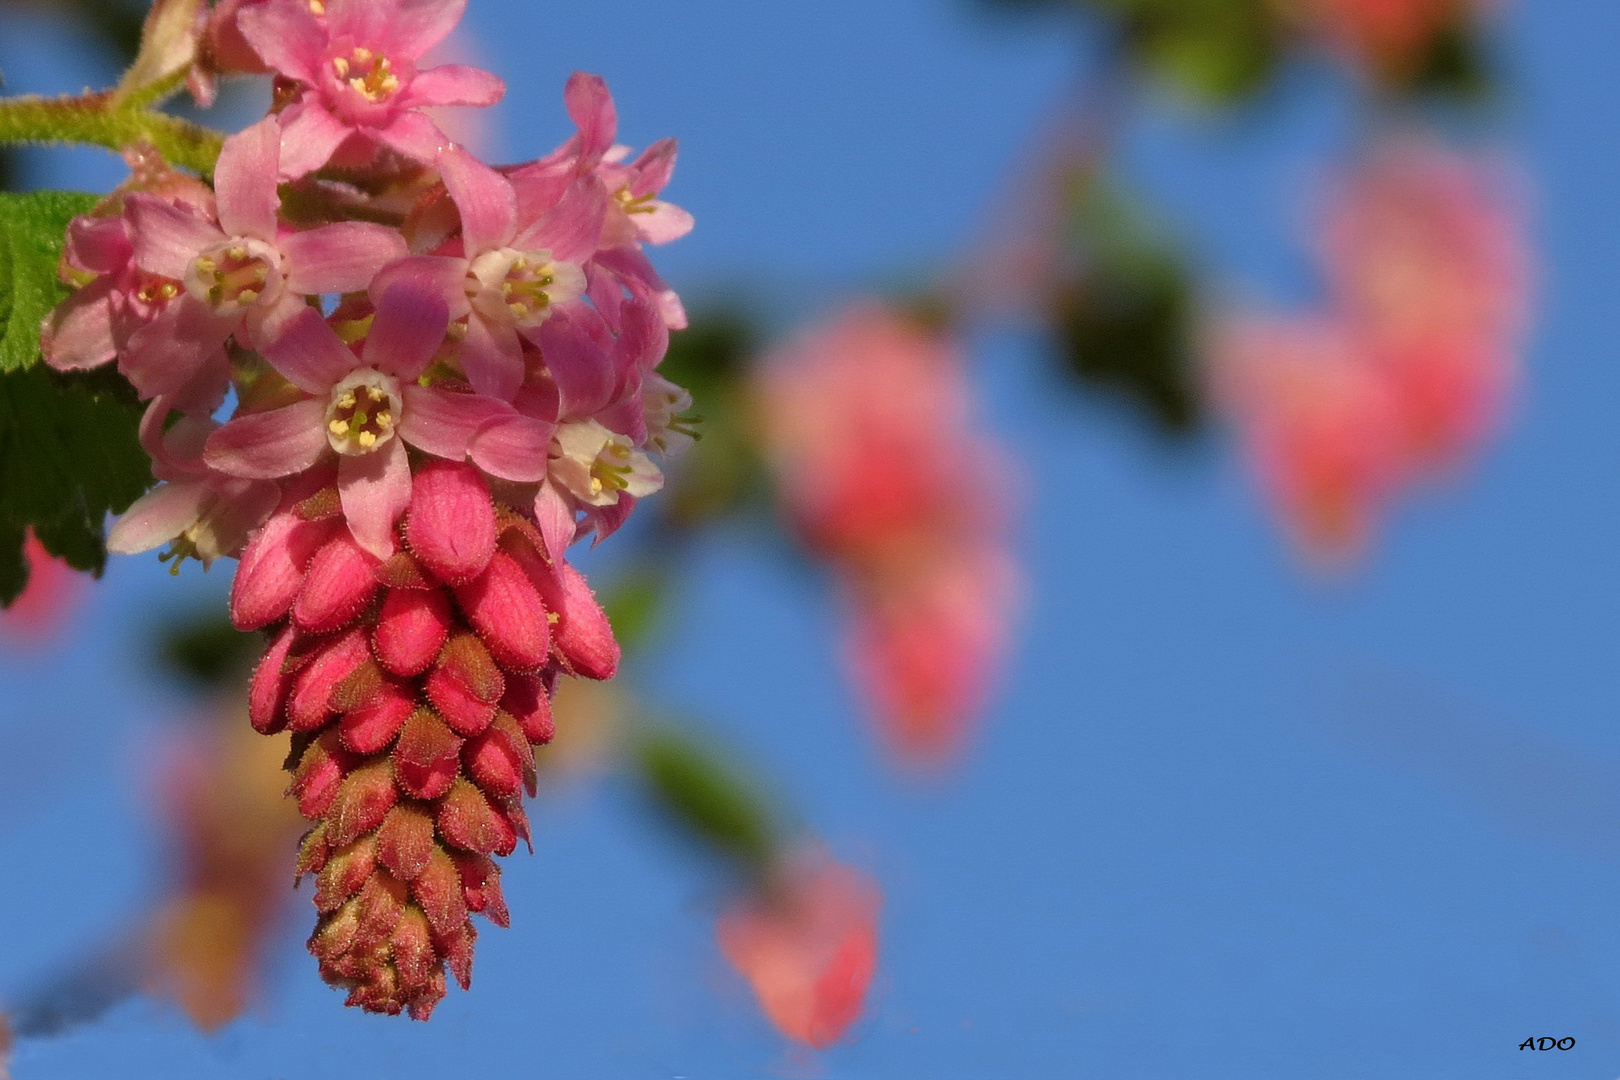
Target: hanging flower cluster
1407, 373
443, 375
880, 472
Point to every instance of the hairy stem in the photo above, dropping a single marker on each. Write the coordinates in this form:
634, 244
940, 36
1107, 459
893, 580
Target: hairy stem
92, 119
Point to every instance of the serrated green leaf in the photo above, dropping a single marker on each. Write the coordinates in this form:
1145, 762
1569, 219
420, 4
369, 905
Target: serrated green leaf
32, 230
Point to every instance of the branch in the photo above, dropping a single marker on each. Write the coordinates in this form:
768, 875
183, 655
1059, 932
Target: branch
91, 119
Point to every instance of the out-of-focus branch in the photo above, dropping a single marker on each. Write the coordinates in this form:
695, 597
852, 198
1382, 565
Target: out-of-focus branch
91, 119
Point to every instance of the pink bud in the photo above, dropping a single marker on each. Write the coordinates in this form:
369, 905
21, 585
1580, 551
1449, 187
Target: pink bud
311, 702
272, 570
313, 851
413, 949
584, 636
457, 949
528, 703
451, 524
381, 906
373, 726
504, 607
411, 629
465, 685
318, 776
267, 694
428, 756
494, 761
337, 586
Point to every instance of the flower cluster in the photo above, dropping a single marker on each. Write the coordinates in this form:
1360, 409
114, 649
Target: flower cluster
881, 474
443, 374
807, 941
1407, 372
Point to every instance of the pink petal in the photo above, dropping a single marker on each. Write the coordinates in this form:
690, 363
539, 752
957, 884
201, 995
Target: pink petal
572, 230
539, 188
367, 21
555, 516
340, 258
245, 181
409, 329
265, 446
415, 136
266, 323
310, 354
287, 38
492, 357
375, 489
485, 198
447, 276
581, 368
158, 517
591, 108
79, 333
654, 168
667, 222
309, 137
418, 25
164, 356
513, 448
167, 238
444, 423
454, 84
99, 245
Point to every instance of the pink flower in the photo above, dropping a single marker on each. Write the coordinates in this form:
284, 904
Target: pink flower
245, 273
867, 420
200, 512
808, 946
1322, 428
361, 408
511, 276
353, 64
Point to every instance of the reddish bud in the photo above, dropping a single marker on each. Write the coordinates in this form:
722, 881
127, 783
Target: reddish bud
505, 608
481, 887
311, 702
313, 851
465, 685
413, 949
372, 727
530, 705
583, 634
317, 777
438, 890
405, 841
402, 571
457, 949
272, 570
325, 505
362, 803
382, 905
411, 629
451, 524
337, 586
500, 760
344, 873
360, 687
468, 821
334, 937
267, 694
427, 757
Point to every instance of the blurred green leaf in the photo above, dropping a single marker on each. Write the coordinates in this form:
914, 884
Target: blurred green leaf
32, 231
206, 650
707, 796
1124, 325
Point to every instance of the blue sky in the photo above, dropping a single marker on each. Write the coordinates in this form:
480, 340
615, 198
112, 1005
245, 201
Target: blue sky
1224, 822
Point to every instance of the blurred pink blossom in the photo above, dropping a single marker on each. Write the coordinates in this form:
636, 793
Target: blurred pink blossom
39, 615
884, 477
807, 944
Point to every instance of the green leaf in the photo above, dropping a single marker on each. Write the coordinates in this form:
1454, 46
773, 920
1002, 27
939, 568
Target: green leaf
708, 797
32, 230
69, 456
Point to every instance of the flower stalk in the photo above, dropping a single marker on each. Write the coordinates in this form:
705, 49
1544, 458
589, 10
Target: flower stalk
95, 120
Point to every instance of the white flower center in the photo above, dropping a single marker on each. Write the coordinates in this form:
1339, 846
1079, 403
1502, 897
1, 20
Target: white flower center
367, 74
236, 274
527, 284
364, 412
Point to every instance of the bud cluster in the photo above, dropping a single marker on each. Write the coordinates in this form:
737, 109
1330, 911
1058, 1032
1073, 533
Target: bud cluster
442, 375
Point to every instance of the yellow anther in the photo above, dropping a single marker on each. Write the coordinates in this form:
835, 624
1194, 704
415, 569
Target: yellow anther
346, 401
385, 420
366, 439
341, 66
317, 8
207, 265
338, 428
247, 296
238, 253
